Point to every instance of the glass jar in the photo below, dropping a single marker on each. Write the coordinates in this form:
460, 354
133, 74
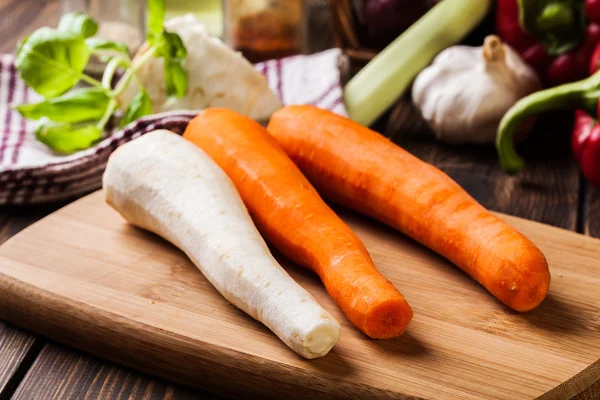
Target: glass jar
264, 29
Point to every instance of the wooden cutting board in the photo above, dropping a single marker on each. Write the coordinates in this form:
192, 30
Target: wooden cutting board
84, 277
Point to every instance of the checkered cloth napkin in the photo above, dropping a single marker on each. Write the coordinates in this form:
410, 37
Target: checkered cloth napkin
31, 173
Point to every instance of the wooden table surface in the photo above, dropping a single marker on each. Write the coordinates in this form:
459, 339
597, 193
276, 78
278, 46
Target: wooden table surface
549, 190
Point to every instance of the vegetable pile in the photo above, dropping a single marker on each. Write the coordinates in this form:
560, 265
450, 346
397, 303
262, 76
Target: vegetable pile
582, 96
556, 37
360, 169
491, 94
292, 216
383, 80
190, 191
52, 62
212, 191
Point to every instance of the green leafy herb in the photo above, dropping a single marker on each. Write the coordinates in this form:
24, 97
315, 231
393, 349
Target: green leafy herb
139, 106
79, 24
97, 44
52, 61
65, 137
170, 46
156, 17
175, 78
76, 106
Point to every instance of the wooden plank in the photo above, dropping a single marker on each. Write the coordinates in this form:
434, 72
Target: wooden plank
18, 348
592, 212
547, 190
122, 294
584, 386
60, 373
17, 351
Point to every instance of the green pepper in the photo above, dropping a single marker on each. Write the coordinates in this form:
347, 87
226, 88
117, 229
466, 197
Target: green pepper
558, 24
582, 95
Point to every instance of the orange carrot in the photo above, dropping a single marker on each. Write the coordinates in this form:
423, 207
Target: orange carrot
289, 212
357, 167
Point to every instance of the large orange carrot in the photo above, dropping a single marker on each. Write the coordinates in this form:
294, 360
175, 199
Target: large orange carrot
357, 167
289, 212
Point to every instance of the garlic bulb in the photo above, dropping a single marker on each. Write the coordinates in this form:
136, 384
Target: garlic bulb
465, 92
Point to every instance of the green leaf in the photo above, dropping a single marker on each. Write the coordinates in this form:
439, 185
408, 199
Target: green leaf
169, 45
175, 78
140, 105
75, 106
65, 137
559, 25
156, 17
79, 24
51, 61
96, 44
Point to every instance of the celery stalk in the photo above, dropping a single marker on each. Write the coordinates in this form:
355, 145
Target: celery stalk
385, 78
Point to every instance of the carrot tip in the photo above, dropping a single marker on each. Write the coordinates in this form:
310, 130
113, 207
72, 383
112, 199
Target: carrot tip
387, 320
530, 296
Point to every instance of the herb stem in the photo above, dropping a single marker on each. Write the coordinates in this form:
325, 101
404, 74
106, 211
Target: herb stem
112, 106
143, 59
110, 70
122, 84
90, 80
126, 79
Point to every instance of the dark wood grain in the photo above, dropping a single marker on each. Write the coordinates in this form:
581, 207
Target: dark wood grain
319, 32
21, 17
15, 218
591, 392
18, 348
547, 190
583, 386
592, 212
61, 373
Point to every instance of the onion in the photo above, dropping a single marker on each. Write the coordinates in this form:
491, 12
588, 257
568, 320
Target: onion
385, 20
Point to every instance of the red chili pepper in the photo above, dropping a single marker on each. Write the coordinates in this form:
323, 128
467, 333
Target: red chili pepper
555, 37
585, 143
585, 139
592, 10
595, 60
